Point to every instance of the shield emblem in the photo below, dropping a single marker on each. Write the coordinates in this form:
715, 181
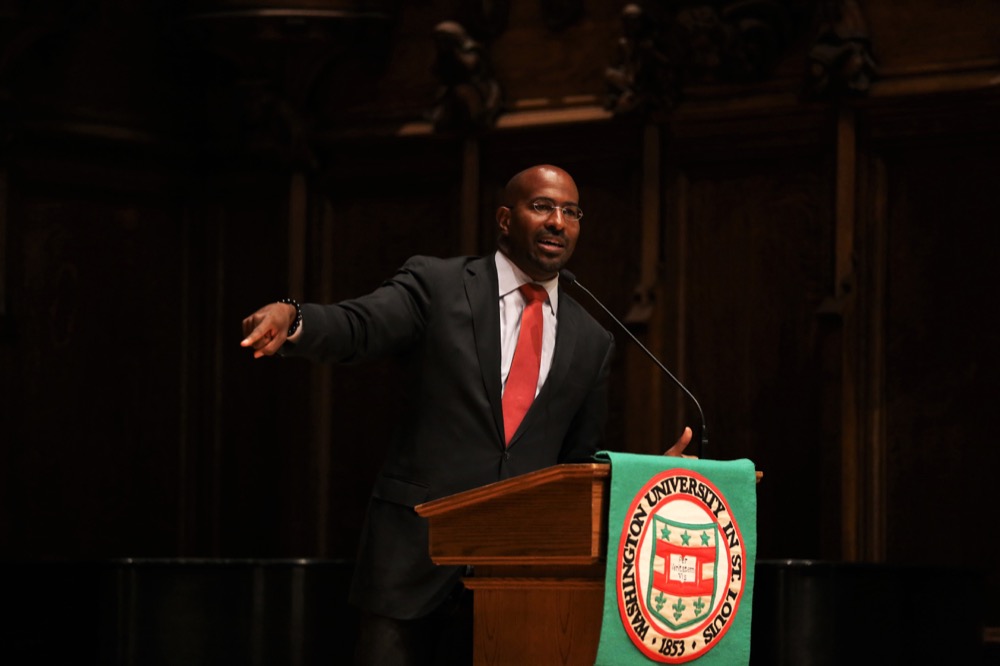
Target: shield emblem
682, 582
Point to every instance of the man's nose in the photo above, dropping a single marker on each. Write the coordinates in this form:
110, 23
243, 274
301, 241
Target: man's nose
557, 219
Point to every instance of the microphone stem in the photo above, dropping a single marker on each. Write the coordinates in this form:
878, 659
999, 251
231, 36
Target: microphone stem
703, 444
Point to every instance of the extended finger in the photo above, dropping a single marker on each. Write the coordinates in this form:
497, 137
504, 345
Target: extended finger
260, 331
678, 448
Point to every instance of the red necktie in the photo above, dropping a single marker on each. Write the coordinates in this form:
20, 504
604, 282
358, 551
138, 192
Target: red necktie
523, 377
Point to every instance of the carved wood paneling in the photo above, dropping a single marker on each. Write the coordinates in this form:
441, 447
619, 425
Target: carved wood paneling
664, 48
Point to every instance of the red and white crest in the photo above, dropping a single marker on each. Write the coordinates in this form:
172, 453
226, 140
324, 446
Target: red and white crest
680, 574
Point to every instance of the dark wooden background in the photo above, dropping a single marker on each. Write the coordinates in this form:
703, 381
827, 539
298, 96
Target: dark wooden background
820, 271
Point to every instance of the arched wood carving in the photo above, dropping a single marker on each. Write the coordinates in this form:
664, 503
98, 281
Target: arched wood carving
841, 60
667, 45
469, 97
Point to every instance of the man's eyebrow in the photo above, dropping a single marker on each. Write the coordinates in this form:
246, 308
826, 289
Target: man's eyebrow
550, 199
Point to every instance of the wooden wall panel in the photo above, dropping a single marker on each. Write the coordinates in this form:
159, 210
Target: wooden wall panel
247, 460
374, 208
942, 360
931, 37
752, 246
93, 398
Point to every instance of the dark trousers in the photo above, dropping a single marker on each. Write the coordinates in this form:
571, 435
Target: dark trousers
443, 638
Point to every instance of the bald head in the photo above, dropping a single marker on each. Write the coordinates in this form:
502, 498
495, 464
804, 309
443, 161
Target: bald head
521, 183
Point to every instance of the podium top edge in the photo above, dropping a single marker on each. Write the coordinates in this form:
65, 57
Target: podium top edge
595, 471
598, 472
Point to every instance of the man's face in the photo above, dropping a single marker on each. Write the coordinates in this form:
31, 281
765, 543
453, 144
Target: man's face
536, 232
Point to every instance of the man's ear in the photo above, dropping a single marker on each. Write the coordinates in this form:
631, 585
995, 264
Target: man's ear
503, 220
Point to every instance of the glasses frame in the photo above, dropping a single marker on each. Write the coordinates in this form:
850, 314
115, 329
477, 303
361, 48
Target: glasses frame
570, 212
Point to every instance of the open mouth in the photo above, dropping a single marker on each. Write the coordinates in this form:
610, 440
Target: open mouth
551, 244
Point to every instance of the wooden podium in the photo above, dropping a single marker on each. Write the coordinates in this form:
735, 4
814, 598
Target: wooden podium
538, 544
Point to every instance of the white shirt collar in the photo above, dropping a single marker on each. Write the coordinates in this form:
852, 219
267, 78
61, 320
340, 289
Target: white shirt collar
511, 277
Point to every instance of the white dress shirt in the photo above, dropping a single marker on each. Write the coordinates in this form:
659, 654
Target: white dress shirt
512, 305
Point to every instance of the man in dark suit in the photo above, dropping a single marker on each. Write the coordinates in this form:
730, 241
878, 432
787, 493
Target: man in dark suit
455, 322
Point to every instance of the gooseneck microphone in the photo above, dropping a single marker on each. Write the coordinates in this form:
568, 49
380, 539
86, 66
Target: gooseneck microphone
703, 445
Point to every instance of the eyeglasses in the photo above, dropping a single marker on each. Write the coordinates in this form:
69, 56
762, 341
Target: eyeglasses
546, 208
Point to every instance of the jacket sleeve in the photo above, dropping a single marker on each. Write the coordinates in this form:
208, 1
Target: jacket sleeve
385, 322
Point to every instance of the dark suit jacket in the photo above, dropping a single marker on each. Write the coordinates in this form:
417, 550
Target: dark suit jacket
441, 317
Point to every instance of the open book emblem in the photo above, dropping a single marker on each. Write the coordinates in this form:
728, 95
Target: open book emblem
682, 563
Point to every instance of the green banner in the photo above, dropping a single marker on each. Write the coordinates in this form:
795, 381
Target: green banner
682, 542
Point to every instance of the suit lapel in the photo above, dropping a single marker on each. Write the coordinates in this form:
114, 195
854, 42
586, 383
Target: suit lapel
481, 290
562, 358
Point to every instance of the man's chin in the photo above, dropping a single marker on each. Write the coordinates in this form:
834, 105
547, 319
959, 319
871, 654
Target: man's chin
547, 269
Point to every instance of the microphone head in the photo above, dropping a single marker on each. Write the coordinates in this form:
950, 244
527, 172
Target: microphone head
567, 275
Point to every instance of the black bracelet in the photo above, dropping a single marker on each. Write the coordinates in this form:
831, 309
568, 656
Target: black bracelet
298, 315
